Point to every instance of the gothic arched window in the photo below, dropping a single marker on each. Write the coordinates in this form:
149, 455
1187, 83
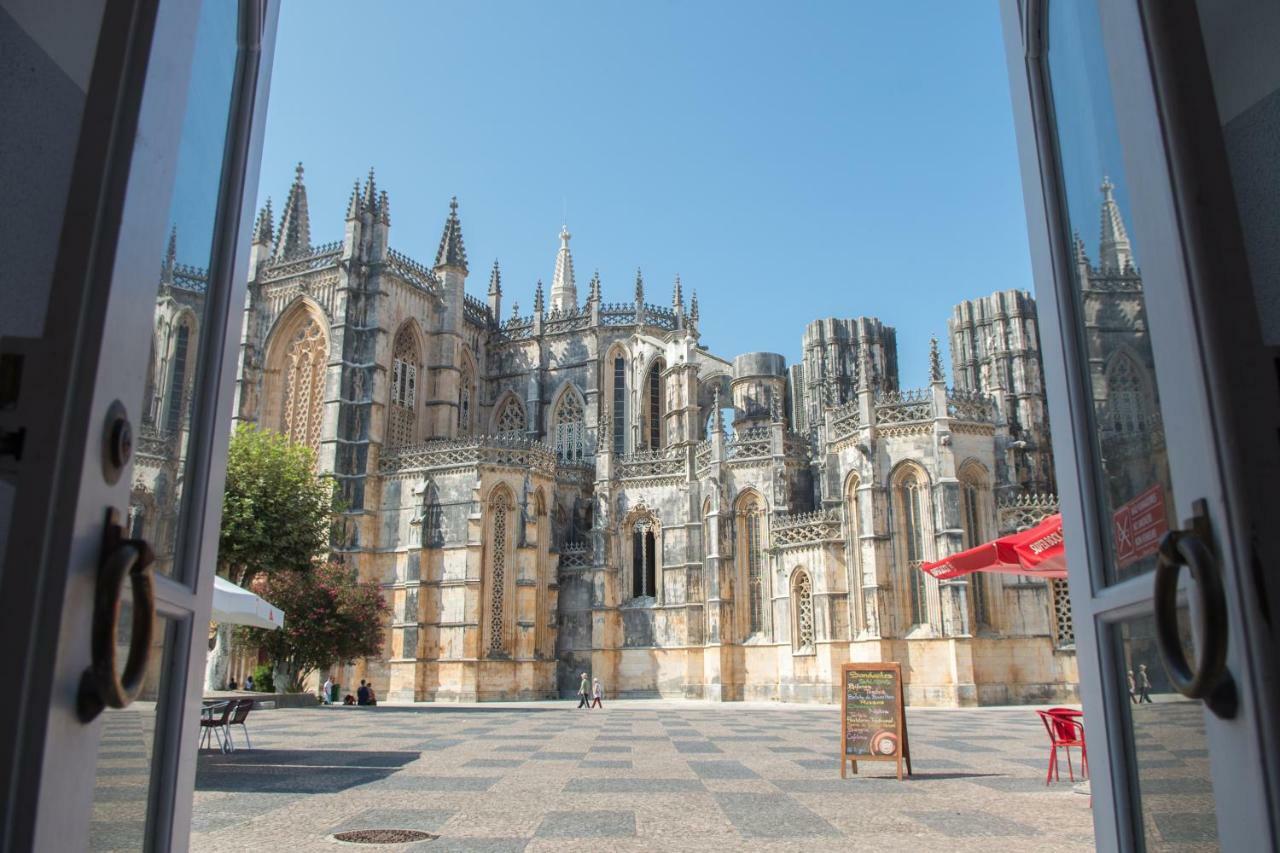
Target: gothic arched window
510, 420
972, 487
465, 391
499, 510
802, 610
1126, 396
911, 522
654, 405
751, 568
402, 415
304, 366
644, 559
619, 404
178, 376
569, 420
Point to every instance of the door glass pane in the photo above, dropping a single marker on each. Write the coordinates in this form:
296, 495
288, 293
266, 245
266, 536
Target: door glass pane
166, 412
1171, 782
126, 773
1108, 289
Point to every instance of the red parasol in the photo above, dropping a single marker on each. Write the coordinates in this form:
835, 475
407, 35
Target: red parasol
1038, 551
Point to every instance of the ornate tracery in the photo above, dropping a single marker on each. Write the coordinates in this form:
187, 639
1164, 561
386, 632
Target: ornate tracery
499, 507
569, 420
802, 610
402, 414
304, 367
510, 420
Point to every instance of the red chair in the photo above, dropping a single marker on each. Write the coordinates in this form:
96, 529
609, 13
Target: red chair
1065, 730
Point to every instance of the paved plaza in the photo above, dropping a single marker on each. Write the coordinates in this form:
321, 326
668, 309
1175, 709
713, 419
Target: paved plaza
639, 775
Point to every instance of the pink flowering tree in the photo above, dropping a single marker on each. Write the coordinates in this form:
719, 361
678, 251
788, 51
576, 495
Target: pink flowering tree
329, 615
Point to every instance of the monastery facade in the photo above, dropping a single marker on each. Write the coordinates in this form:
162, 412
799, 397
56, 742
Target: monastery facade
586, 487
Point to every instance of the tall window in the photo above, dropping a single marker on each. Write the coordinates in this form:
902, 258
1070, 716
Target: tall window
498, 510
511, 417
1126, 396
802, 610
465, 390
402, 420
971, 503
750, 558
619, 404
655, 406
177, 377
913, 533
570, 427
644, 559
304, 384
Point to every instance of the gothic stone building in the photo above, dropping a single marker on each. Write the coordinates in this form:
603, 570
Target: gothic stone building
586, 487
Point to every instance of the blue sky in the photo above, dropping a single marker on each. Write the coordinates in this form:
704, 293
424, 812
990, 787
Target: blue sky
789, 161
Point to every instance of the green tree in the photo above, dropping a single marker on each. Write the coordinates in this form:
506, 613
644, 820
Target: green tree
276, 516
329, 617
276, 511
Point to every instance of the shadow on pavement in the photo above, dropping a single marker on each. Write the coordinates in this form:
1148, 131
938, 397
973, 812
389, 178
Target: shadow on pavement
293, 771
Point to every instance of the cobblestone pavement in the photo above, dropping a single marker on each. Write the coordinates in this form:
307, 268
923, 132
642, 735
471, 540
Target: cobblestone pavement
639, 775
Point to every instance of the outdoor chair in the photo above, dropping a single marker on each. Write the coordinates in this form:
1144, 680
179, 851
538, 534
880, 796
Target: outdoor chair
1065, 731
240, 713
213, 725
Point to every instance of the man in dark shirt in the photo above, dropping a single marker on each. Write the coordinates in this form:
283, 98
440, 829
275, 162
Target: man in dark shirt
362, 695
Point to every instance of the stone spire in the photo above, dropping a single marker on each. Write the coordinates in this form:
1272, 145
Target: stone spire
677, 297
935, 361
693, 307
537, 299
564, 293
593, 289
384, 209
295, 222
515, 310
371, 195
452, 252
495, 292
353, 203
170, 257
1114, 251
717, 417
639, 287
495, 280
264, 229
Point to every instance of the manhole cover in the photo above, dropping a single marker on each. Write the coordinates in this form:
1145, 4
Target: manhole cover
384, 836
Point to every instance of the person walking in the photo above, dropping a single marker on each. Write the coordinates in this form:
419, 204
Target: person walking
596, 694
584, 693
1144, 684
248, 681
327, 690
1133, 689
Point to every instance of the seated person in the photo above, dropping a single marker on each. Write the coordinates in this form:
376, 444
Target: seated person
373, 697
362, 694
348, 700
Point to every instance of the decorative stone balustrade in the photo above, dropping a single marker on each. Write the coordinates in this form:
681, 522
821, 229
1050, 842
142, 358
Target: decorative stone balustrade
1023, 511
506, 450
317, 258
575, 555
790, 531
411, 271
904, 407
647, 464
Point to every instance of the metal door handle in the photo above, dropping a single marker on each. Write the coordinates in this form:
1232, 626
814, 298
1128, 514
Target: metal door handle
100, 686
1210, 680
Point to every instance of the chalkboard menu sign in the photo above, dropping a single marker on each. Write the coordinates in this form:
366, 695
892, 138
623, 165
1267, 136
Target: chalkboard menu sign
872, 716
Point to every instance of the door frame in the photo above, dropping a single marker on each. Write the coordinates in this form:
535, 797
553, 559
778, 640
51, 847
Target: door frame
114, 222
1156, 106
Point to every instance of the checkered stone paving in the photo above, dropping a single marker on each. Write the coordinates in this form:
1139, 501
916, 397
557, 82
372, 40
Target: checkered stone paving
639, 775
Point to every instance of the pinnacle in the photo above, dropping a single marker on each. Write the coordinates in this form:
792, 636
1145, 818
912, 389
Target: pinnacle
537, 299
639, 286
452, 251
693, 307
495, 279
935, 361
384, 208
263, 231
677, 296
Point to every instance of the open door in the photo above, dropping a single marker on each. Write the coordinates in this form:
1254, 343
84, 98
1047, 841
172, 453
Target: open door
123, 407
1165, 415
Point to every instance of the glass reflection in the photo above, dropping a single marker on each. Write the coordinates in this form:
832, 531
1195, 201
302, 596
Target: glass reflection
1109, 290
168, 402
124, 773
1167, 735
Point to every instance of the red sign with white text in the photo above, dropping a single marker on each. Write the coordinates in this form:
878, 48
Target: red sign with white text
1139, 525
